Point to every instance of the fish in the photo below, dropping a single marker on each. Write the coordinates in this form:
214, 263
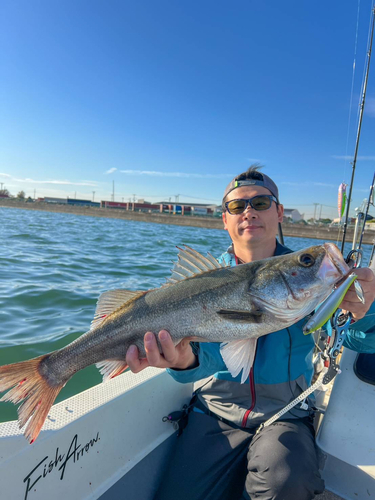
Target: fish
203, 301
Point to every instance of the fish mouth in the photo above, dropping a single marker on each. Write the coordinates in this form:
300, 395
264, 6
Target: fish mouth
333, 264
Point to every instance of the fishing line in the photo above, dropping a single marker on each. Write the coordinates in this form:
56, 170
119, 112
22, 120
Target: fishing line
351, 92
347, 158
369, 202
368, 48
364, 67
341, 232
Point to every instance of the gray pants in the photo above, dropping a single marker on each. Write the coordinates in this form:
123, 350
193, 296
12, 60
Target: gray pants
214, 461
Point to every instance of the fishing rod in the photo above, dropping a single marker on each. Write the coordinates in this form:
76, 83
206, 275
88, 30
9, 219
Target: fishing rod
358, 224
362, 106
369, 202
370, 263
340, 322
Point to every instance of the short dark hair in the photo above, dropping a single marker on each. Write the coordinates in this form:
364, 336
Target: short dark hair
251, 173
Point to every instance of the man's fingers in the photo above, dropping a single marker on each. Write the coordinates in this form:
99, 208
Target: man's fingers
152, 350
169, 349
180, 356
132, 356
351, 296
132, 359
142, 364
364, 274
351, 301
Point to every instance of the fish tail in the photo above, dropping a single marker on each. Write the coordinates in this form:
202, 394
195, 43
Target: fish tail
27, 385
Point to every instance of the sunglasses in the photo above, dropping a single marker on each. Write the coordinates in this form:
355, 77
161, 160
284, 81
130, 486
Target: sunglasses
259, 203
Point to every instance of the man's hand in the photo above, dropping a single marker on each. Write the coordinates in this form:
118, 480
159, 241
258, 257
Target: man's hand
351, 303
179, 357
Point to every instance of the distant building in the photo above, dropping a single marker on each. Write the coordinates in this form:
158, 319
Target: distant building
69, 201
293, 214
340, 222
48, 199
189, 208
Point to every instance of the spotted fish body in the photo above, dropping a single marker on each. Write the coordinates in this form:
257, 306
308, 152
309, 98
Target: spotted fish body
202, 301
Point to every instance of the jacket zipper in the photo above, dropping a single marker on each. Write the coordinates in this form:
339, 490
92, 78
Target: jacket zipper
251, 377
253, 397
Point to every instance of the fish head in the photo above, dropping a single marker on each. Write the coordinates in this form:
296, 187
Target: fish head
313, 270
292, 285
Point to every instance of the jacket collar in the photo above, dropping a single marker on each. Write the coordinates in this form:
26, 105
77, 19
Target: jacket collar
280, 250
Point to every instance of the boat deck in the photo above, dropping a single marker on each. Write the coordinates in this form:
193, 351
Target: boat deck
327, 495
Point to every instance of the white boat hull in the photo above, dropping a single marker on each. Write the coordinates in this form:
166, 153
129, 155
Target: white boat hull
92, 440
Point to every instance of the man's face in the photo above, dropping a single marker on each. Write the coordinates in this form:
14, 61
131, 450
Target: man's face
252, 227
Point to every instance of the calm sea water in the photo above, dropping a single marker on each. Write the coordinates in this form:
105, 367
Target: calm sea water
53, 267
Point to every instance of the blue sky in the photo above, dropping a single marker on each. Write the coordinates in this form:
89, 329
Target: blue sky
175, 98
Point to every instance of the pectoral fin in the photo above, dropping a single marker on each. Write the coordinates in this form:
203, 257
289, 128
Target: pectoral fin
239, 355
253, 316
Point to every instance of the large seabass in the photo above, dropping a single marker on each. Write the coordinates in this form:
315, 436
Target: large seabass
202, 300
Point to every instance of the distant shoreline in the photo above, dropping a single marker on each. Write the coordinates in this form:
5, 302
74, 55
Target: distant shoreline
297, 231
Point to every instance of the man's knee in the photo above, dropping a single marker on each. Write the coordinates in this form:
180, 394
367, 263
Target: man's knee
280, 481
283, 464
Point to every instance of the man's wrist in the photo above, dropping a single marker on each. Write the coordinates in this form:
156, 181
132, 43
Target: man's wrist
193, 363
192, 360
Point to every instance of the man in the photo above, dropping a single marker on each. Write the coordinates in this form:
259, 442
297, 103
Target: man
219, 456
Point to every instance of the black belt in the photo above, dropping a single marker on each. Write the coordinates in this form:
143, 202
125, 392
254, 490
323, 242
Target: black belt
210, 413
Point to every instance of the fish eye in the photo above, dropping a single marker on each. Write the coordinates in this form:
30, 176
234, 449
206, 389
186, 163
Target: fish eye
306, 260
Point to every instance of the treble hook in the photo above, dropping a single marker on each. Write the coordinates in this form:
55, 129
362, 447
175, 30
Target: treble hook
354, 260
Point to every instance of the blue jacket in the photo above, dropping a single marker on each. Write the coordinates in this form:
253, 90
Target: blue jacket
282, 370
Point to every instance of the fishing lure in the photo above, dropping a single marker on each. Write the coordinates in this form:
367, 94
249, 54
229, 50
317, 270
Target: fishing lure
329, 306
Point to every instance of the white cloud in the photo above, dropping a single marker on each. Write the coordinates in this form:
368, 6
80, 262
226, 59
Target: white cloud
59, 182
111, 170
350, 158
153, 173
320, 184
51, 181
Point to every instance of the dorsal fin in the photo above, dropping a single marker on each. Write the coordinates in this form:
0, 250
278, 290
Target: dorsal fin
109, 302
191, 263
